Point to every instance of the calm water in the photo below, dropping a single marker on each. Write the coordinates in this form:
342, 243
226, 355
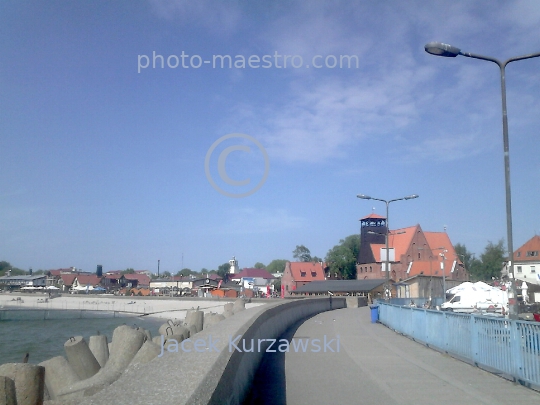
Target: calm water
45, 339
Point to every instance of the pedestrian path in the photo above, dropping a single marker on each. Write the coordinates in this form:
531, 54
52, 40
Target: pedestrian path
365, 363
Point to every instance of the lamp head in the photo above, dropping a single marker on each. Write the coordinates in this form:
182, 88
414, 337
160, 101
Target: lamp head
440, 49
364, 197
410, 197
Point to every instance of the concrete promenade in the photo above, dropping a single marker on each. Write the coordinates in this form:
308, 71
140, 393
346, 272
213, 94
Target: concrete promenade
374, 365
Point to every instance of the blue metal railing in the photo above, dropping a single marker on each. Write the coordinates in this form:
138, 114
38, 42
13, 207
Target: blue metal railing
501, 345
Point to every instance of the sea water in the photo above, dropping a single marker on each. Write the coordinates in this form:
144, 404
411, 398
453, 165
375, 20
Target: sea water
31, 332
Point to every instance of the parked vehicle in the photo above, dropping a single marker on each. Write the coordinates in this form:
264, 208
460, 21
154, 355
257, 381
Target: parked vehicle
477, 297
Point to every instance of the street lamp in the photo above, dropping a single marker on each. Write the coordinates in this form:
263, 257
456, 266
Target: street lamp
440, 49
387, 258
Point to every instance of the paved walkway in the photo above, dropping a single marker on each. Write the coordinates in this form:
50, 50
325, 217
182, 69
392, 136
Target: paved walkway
374, 365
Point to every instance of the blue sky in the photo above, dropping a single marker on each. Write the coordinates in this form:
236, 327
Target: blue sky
101, 164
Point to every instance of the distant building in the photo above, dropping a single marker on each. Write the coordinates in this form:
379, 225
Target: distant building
297, 274
16, 282
233, 266
412, 252
258, 280
527, 261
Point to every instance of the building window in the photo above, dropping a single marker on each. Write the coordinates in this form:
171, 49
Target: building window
302, 273
518, 254
287, 287
533, 269
313, 274
532, 253
519, 269
370, 269
418, 255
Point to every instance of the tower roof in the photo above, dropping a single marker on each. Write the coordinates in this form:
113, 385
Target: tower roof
373, 216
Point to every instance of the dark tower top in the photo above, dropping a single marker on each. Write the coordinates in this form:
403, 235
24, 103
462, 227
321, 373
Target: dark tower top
99, 270
372, 230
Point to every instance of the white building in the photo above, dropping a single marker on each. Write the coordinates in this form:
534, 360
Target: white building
527, 261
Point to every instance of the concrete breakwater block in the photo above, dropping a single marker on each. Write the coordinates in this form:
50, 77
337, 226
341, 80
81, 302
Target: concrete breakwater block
29, 381
126, 342
7, 391
195, 318
228, 310
192, 330
173, 329
239, 305
99, 347
212, 319
58, 375
146, 353
172, 340
148, 334
80, 358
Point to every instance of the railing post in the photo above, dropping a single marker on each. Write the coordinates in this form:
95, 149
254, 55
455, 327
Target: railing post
474, 340
515, 344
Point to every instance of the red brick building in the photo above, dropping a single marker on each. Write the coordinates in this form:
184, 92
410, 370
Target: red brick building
413, 252
297, 274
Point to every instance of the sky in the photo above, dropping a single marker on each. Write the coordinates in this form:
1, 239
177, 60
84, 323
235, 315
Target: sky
114, 119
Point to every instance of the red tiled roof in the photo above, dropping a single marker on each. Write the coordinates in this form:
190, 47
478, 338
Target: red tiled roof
532, 245
250, 272
91, 279
438, 240
426, 267
142, 279
68, 279
311, 271
401, 239
373, 216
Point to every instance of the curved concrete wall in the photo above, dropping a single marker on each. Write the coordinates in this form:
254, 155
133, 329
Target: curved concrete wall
207, 369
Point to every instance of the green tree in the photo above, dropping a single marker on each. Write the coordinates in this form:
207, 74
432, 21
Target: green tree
5, 266
277, 285
128, 271
166, 274
276, 266
464, 255
302, 253
316, 259
341, 259
259, 265
492, 261
223, 269
185, 272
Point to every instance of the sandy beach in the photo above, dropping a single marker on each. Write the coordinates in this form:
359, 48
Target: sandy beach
159, 307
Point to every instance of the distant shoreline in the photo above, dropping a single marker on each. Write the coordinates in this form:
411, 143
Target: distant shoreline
157, 307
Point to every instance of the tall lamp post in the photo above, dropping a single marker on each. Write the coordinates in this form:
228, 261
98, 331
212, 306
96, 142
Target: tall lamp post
440, 49
387, 258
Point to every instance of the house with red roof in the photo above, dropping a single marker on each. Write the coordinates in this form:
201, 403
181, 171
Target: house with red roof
413, 255
297, 274
86, 282
527, 261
